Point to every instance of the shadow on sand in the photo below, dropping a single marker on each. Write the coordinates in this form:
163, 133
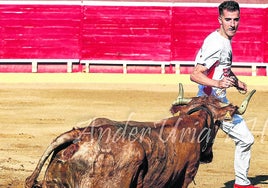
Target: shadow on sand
257, 180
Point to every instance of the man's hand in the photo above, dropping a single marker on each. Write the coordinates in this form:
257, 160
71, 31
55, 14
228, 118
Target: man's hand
242, 86
226, 82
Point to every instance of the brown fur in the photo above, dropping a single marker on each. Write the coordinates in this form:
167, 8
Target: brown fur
130, 154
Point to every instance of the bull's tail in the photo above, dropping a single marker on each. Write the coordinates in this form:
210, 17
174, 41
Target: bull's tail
62, 139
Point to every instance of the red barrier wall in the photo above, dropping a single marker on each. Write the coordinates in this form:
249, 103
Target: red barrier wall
128, 32
39, 31
265, 36
249, 43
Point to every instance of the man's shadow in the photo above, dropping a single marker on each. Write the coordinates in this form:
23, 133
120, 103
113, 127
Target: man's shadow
257, 180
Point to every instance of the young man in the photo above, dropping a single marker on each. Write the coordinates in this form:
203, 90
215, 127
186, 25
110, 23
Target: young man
213, 74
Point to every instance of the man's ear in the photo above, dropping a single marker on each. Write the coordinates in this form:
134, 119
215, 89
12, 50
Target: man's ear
220, 20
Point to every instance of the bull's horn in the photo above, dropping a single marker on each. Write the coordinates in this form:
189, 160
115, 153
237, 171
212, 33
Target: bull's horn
181, 91
242, 109
181, 100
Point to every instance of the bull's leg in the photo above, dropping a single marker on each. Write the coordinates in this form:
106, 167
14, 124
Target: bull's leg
120, 167
62, 139
59, 174
190, 173
137, 181
140, 180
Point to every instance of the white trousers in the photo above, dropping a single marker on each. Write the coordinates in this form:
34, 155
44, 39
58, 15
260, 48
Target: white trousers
241, 135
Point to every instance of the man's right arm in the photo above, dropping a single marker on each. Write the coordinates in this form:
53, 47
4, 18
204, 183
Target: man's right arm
198, 75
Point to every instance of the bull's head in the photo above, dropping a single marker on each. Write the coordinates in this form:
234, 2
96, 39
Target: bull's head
208, 133
220, 110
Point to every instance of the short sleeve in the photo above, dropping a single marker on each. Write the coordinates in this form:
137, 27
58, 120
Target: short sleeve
209, 53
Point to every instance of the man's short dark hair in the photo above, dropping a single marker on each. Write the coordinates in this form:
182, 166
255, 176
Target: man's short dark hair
228, 5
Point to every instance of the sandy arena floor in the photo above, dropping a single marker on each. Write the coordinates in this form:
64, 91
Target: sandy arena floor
34, 112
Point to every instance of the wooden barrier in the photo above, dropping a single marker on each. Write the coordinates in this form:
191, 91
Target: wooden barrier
162, 64
34, 62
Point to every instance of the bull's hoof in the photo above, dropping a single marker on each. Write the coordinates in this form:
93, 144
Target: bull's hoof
32, 184
37, 186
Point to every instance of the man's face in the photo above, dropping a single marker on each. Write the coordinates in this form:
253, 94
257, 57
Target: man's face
229, 22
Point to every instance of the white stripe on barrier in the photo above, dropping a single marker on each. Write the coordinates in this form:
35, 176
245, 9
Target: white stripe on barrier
177, 64
35, 62
125, 3
41, 2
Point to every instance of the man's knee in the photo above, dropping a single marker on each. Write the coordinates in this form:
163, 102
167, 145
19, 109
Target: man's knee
248, 140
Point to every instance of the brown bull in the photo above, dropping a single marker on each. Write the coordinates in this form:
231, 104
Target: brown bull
132, 154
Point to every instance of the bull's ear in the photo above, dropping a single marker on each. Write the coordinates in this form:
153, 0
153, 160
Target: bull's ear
177, 113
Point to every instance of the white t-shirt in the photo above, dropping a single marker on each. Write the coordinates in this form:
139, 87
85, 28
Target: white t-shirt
216, 55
